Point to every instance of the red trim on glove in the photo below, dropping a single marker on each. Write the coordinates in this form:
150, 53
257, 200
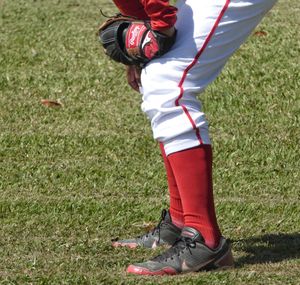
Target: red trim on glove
134, 37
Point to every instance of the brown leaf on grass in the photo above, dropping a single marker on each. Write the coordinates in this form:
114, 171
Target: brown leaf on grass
147, 226
260, 33
51, 103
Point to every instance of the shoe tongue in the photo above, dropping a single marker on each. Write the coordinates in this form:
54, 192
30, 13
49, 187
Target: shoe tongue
166, 217
192, 233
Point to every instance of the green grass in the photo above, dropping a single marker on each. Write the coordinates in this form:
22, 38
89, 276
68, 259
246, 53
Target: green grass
74, 177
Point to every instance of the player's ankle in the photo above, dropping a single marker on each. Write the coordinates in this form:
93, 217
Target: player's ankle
212, 236
177, 218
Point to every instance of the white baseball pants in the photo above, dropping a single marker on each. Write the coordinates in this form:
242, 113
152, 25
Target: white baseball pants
209, 31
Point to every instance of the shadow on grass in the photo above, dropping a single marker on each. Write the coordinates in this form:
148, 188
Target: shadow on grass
269, 248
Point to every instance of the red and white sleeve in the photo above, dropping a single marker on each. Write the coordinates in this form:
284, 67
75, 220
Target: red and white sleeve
161, 14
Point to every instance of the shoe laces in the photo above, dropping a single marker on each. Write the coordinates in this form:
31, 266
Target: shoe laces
157, 228
180, 245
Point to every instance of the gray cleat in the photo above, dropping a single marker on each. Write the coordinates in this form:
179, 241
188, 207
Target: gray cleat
188, 254
165, 233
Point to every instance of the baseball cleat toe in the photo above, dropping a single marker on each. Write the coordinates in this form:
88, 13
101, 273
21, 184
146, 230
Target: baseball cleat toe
134, 269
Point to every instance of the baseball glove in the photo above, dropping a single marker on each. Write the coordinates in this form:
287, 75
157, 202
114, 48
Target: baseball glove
132, 41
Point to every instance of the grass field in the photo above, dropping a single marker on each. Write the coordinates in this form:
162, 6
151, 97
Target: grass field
71, 178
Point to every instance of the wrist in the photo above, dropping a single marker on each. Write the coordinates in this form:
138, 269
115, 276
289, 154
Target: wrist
168, 32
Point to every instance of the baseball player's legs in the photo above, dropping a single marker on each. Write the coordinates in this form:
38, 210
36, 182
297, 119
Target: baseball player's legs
208, 34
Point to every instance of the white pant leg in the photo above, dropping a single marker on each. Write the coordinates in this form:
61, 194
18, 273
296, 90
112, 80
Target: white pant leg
209, 31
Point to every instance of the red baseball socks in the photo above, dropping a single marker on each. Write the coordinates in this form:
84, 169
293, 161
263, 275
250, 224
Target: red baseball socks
189, 174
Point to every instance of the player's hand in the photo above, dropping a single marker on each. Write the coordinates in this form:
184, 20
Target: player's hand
133, 74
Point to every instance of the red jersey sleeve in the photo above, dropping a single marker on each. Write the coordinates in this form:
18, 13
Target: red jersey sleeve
161, 14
